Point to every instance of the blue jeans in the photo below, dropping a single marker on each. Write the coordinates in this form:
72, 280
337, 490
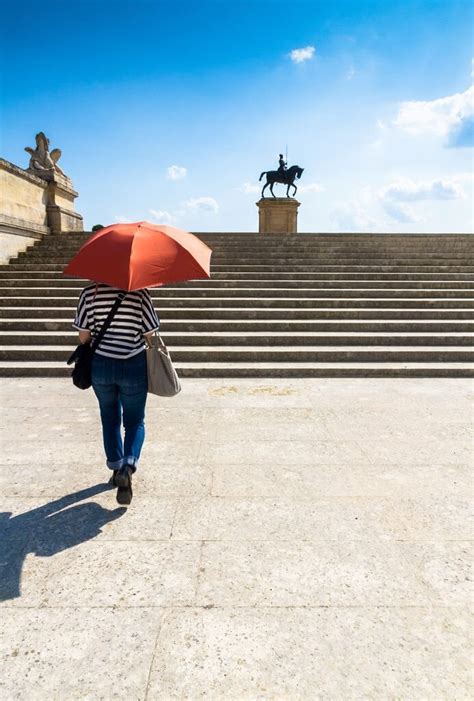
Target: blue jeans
121, 384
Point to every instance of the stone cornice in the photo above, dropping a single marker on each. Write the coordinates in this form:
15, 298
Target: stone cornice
21, 173
22, 227
63, 210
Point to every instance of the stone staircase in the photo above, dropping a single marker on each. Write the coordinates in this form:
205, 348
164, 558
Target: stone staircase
309, 305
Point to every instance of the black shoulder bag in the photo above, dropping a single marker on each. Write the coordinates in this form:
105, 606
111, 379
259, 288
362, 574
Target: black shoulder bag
82, 356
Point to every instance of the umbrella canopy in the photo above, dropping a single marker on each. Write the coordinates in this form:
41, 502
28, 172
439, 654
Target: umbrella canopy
135, 256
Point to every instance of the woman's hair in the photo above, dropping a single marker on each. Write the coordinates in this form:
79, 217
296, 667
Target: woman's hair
95, 291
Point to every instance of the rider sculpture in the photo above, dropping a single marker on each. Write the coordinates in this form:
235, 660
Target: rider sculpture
283, 175
282, 166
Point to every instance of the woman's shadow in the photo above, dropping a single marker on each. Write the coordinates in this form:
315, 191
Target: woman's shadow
46, 531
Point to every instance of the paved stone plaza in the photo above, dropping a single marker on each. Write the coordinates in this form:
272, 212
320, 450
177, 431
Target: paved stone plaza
288, 540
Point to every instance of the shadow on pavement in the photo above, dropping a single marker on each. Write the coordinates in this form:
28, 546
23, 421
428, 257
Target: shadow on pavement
46, 531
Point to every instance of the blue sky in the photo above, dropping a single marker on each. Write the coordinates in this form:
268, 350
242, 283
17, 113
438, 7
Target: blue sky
169, 111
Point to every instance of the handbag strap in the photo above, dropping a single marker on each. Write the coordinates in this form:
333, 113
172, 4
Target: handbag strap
107, 322
157, 333
160, 340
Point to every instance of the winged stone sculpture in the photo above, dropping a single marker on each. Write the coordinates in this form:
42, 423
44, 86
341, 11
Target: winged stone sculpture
44, 162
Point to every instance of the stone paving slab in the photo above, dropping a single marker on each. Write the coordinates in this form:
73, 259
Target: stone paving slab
288, 540
303, 482
77, 652
312, 653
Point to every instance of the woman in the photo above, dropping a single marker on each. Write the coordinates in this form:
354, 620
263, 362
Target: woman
119, 373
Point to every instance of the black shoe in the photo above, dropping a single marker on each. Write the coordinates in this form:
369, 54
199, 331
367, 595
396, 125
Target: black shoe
123, 480
112, 481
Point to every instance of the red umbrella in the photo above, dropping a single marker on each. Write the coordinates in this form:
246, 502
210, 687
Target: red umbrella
135, 256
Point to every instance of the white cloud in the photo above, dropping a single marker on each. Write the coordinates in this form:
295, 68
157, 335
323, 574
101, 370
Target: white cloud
446, 116
176, 172
406, 190
399, 212
311, 187
365, 195
249, 189
472, 67
378, 143
206, 204
300, 55
122, 220
350, 73
351, 217
467, 177
162, 216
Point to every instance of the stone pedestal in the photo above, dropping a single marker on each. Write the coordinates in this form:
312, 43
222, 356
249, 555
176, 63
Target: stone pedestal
277, 215
60, 208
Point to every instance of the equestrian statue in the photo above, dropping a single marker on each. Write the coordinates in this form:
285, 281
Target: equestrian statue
284, 175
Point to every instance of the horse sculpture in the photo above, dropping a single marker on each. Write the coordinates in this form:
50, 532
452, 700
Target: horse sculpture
286, 178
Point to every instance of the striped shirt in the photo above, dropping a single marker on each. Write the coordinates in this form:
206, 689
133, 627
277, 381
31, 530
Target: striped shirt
135, 316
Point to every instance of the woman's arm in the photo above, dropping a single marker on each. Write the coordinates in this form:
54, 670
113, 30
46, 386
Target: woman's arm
84, 336
81, 321
150, 320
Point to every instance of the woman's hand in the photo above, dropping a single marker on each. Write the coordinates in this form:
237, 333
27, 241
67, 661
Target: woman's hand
85, 336
147, 337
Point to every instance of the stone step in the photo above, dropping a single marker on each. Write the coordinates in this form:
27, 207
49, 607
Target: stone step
258, 369
408, 257
236, 242
71, 248
322, 302
357, 237
254, 236
271, 285
409, 266
226, 288
18, 277
59, 255
324, 239
162, 295
302, 310
289, 254
238, 326
292, 354
263, 338
274, 270
313, 305
281, 240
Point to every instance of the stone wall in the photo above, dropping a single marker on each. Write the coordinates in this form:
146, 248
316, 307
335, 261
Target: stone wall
24, 196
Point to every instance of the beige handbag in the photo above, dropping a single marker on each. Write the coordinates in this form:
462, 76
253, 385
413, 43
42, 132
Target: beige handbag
162, 377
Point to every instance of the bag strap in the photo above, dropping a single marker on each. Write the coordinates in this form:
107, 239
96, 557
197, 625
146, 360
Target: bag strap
107, 322
160, 340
